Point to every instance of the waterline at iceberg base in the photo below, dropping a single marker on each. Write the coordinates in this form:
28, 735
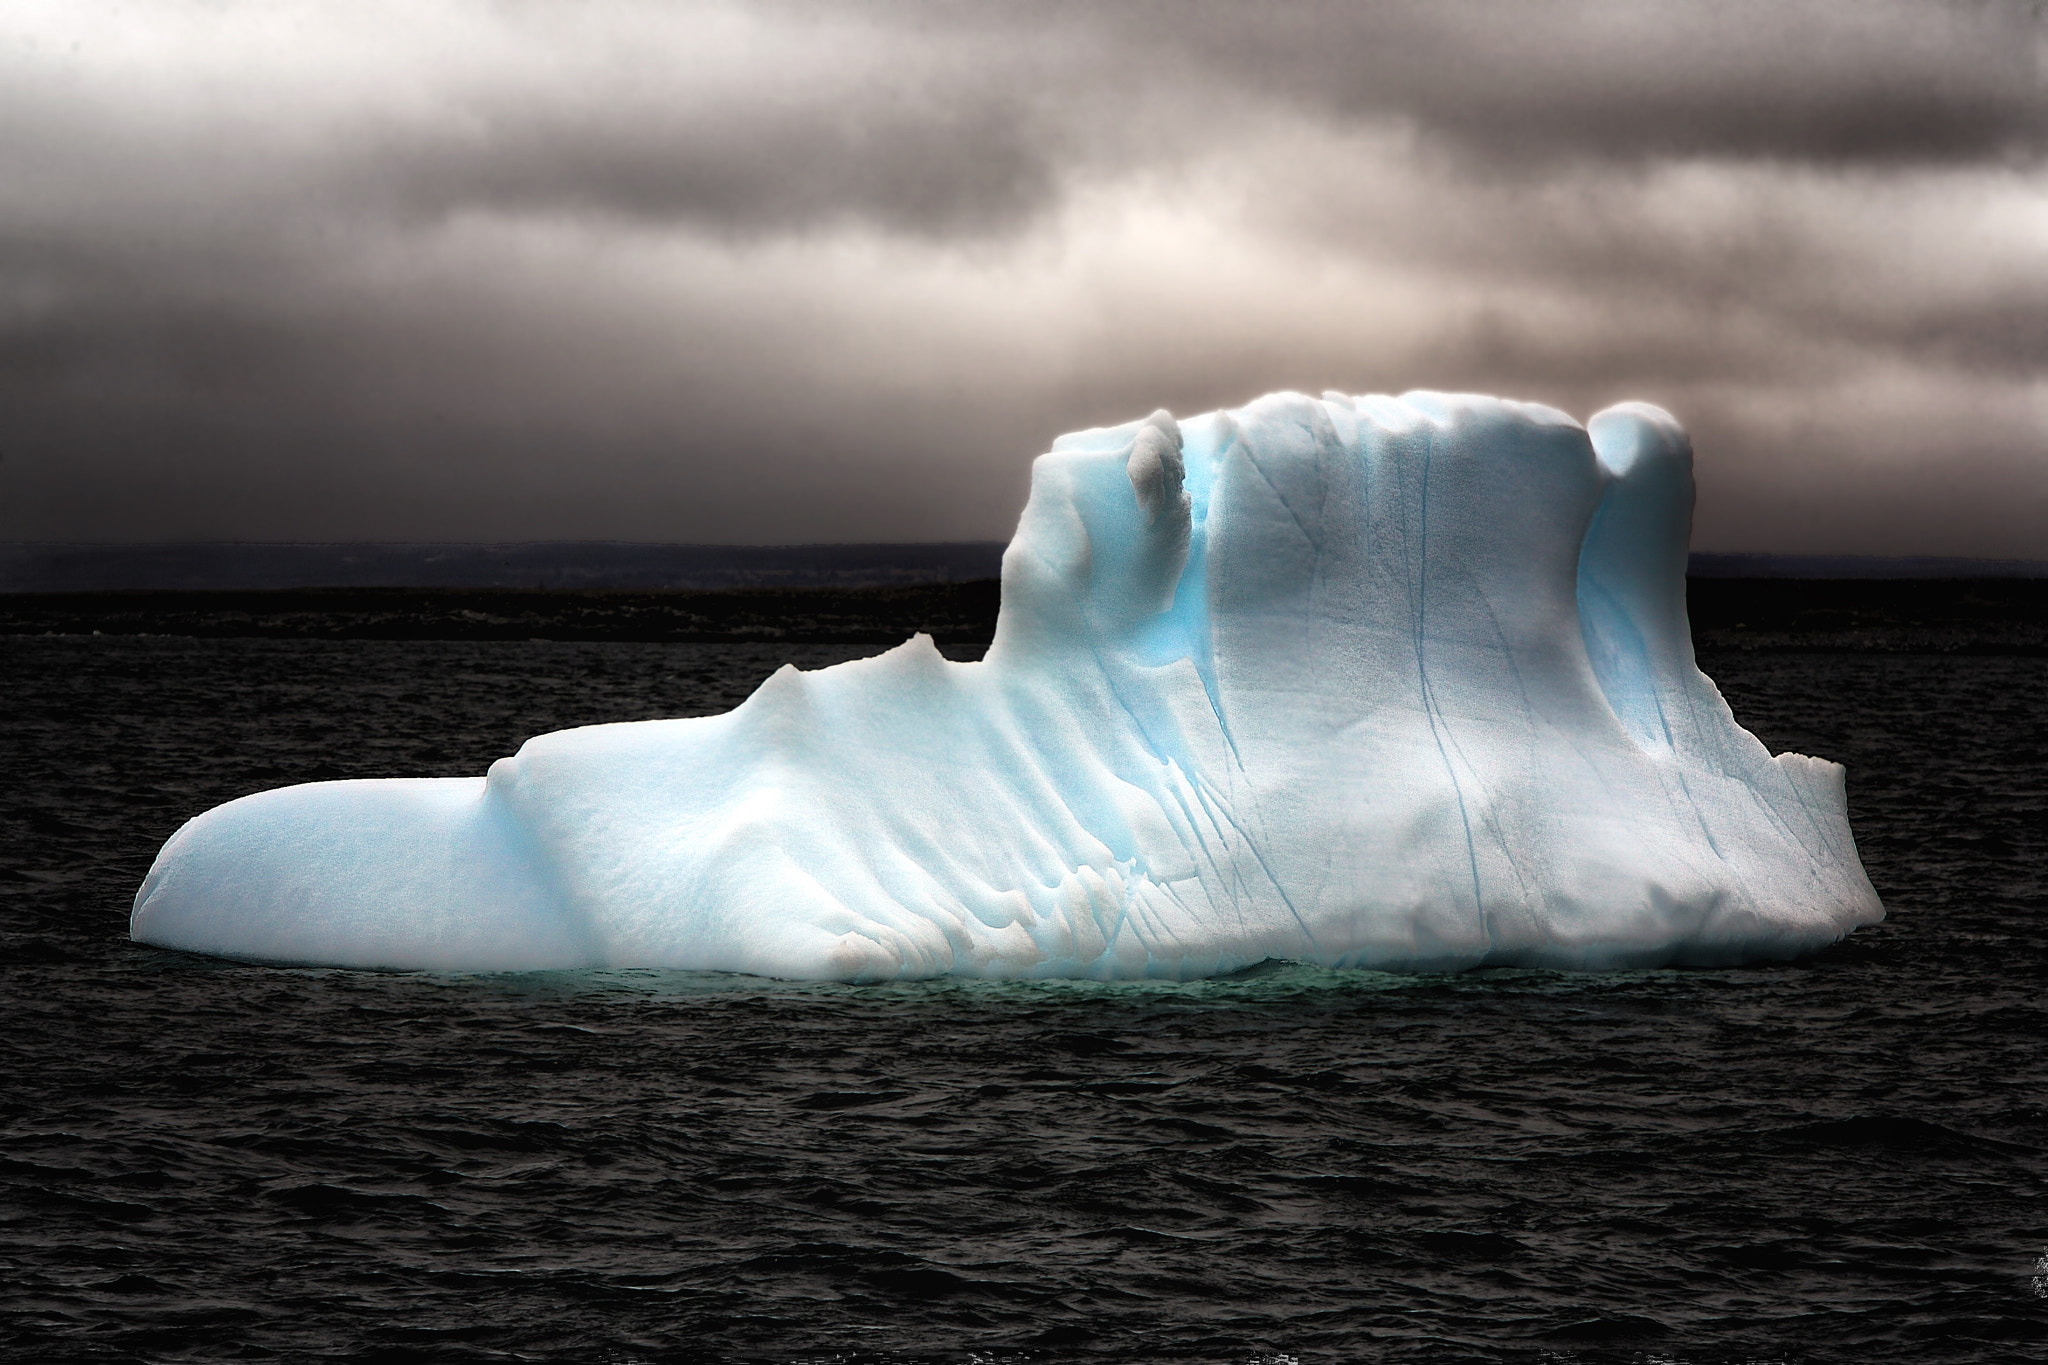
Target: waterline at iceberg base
1402, 683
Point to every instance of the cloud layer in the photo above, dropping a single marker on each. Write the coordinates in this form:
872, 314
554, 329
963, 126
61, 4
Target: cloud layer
773, 272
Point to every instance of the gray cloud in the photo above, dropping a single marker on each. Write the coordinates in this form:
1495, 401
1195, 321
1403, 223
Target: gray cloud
786, 271
1808, 81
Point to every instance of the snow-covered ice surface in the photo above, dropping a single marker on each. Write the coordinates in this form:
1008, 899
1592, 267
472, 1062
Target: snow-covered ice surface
1402, 683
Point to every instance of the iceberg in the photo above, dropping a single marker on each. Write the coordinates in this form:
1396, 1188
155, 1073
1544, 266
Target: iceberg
1372, 682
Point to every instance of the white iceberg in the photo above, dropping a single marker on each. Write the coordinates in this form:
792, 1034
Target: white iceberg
1399, 683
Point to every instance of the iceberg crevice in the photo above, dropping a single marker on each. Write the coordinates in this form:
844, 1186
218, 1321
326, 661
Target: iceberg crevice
1402, 683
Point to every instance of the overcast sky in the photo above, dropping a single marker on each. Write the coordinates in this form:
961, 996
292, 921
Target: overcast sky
773, 272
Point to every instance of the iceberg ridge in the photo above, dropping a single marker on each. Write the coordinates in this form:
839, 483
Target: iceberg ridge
1401, 683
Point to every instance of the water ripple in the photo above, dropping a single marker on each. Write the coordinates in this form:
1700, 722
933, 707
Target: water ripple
1837, 1160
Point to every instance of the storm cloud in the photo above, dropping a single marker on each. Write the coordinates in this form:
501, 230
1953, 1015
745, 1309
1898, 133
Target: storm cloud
786, 271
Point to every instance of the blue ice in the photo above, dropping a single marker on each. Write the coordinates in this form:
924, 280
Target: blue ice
1392, 682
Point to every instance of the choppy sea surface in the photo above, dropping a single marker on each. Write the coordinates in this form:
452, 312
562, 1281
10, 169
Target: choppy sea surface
1841, 1159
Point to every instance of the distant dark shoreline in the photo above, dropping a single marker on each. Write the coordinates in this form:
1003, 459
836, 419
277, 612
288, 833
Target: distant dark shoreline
623, 566
562, 565
861, 594
949, 612
1918, 615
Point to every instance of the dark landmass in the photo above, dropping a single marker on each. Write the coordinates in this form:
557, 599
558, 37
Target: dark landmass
1992, 615
962, 613
552, 564
1707, 564
582, 590
560, 565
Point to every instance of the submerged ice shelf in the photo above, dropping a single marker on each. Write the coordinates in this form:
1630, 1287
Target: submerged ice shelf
1401, 683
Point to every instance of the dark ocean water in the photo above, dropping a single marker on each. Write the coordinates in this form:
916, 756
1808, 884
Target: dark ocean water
1843, 1159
